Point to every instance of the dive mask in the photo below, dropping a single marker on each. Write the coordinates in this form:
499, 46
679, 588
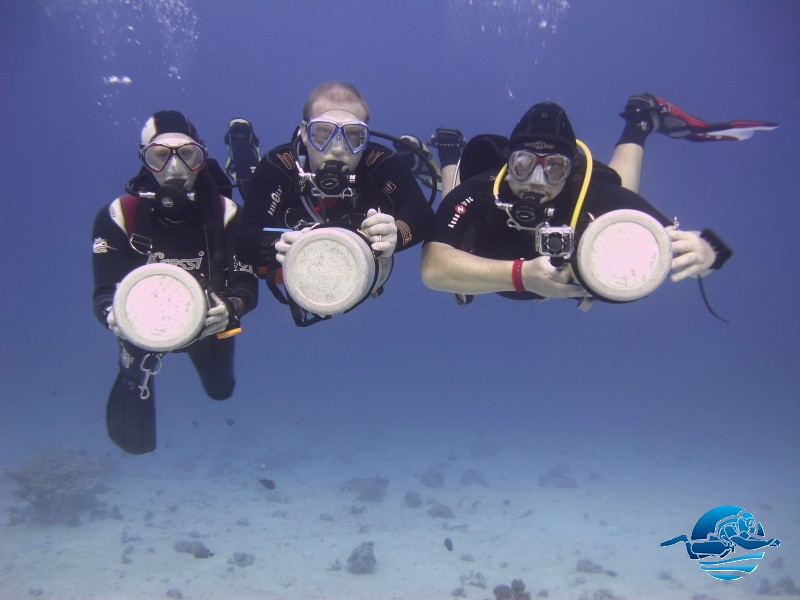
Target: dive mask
156, 156
322, 132
523, 162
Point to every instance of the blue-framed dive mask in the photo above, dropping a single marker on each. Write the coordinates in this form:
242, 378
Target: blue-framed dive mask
321, 132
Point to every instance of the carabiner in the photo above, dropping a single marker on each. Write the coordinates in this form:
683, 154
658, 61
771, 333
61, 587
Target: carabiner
144, 389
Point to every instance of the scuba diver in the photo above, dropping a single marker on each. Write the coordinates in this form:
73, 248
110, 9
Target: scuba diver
175, 213
331, 174
513, 223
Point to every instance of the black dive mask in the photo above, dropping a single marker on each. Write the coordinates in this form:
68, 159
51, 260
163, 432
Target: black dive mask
334, 179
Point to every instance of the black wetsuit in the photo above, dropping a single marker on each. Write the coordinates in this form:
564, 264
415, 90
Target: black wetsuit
468, 219
383, 181
131, 420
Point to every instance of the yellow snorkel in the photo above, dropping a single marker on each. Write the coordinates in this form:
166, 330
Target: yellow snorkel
497, 180
587, 177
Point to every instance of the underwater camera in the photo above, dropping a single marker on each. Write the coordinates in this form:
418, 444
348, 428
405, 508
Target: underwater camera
555, 241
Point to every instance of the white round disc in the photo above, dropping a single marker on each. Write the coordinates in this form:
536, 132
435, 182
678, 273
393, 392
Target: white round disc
160, 307
624, 255
329, 270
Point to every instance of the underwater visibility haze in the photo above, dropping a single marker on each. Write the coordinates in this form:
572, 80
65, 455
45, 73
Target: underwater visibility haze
656, 411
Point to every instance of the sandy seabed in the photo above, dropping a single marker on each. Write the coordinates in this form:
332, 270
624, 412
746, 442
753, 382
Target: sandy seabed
577, 524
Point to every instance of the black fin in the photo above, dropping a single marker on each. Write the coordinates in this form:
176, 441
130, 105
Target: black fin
131, 421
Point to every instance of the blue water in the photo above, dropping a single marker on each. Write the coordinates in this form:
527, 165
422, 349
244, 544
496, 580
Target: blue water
411, 373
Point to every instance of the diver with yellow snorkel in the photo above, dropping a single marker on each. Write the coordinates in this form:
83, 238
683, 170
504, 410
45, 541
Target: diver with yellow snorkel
514, 225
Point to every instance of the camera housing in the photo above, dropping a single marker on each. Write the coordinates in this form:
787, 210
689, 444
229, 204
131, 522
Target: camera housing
555, 241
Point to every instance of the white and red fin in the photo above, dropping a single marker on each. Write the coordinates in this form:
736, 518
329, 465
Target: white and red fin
676, 122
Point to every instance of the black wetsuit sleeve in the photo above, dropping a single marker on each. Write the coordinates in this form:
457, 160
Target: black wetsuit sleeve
243, 282
266, 199
457, 214
392, 176
112, 259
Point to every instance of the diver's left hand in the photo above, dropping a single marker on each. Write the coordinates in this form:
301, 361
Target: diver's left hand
216, 319
381, 231
692, 256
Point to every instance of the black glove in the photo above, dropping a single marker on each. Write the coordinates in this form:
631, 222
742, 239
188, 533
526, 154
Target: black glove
235, 306
721, 249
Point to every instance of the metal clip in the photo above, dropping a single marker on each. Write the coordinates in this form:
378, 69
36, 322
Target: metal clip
144, 390
141, 244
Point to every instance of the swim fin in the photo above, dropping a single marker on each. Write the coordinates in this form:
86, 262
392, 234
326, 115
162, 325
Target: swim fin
243, 153
672, 120
131, 421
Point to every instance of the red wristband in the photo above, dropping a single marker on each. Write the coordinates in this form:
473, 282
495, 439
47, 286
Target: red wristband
516, 275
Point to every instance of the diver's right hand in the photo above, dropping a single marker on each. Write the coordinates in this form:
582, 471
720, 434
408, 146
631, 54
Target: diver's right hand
543, 279
287, 239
